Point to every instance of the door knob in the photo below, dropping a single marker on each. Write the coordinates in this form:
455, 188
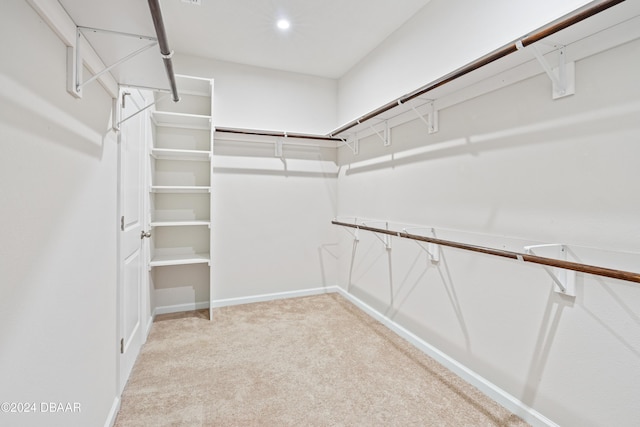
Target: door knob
144, 234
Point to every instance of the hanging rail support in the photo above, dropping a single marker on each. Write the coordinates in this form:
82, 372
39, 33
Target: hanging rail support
74, 67
117, 33
278, 147
386, 139
432, 116
355, 234
564, 280
115, 114
75, 62
387, 235
432, 249
115, 64
563, 77
146, 107
354, 145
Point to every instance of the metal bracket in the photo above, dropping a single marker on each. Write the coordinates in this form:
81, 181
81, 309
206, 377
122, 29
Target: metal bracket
75, 63
432, 249
74, 67
386, 134
563, 77
115, 114
278, 146
354, 145
564, 280
432, 116
386, 240
146, 107
355, 234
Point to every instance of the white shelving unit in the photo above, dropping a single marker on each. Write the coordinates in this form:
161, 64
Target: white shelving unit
180, 190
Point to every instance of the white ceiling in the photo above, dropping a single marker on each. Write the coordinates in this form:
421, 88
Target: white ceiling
326, 38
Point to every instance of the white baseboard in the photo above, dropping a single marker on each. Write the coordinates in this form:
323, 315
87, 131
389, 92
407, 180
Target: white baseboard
180, 308
240, 300
113, 413
147, 330
270, 297
505, 399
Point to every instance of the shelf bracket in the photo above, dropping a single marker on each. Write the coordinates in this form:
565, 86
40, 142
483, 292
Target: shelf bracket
115, 114
385, 136
432, 116
146, 107
563, 77
386, 239
564, 280
355, 234
278, 147
354, 145
75, 63
74, 67
432, 249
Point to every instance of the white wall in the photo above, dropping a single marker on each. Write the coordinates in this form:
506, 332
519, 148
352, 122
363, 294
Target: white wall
443, 36
270, 219
515, 163
58, 213
260, 98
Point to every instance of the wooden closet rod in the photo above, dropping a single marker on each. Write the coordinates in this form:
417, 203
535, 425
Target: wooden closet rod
166, 53
508, 49
551, 262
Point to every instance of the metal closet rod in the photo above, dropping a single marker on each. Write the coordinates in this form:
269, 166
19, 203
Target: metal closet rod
551, 262
508, 49
158, 23
277, 134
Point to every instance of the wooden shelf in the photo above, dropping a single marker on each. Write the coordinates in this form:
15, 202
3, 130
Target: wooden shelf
173, 154
186, 259
180, 223
181, 120
179, 189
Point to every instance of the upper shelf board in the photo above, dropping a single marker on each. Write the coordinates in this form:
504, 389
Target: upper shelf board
180, 120
172, 154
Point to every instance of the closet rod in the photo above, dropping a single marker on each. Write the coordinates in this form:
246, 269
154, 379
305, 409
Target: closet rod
166, 53
551, 262
508, 49
277, 134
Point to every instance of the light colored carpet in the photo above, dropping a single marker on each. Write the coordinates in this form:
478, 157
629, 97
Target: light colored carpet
313, 361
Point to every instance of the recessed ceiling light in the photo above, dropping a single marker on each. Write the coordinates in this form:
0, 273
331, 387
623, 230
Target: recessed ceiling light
284, 24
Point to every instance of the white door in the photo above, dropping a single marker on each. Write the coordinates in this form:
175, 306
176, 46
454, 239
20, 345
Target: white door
132, 257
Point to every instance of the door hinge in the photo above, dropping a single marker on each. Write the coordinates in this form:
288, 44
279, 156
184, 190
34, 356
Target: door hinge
121, 345
122, 223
